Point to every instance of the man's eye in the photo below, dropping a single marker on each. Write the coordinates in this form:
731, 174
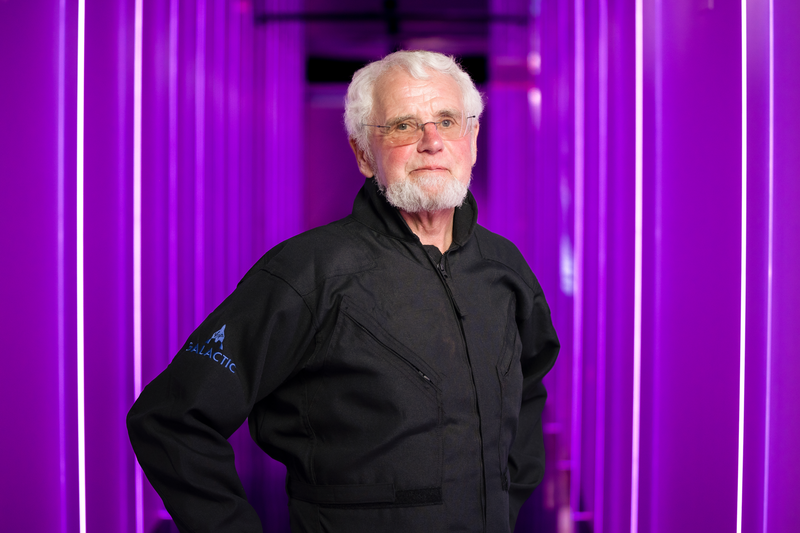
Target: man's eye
447, 123
403, 127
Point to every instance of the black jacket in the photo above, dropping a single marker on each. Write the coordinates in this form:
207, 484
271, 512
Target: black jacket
402, 395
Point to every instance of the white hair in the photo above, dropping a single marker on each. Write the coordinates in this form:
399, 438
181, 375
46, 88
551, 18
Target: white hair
418, 64
410, 195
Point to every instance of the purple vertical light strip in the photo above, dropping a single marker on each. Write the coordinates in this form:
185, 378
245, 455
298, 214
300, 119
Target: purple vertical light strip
79, 246
199, 163
770, 233
282, 133
172, 200
658, 263
216, 282
602, 248
137, 244
577, 284
137, 199
232, 180
658, 253
743, 287
62, 334
274, 177
637, 276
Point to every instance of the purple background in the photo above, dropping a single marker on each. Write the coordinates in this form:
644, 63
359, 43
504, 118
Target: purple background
239, 152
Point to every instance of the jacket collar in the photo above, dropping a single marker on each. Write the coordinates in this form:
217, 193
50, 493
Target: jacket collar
371, 209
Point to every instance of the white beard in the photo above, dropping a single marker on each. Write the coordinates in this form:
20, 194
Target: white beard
411, 196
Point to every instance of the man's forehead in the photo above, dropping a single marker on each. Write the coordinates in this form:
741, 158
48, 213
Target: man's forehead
397, 92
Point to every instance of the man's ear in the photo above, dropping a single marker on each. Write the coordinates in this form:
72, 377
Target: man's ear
364, 166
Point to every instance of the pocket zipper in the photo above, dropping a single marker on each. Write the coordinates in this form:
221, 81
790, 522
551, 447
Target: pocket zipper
376, 339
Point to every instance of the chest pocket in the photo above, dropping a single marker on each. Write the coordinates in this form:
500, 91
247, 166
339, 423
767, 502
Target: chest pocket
509, 375
376, 418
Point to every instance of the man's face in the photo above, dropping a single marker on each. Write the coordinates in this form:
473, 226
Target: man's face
431, 161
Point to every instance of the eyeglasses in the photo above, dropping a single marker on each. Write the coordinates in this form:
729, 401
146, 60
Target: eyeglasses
410, 131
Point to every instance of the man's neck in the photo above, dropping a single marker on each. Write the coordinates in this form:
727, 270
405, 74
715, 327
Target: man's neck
434, 227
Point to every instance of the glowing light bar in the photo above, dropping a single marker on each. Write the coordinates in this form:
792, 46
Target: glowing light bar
172, 269
199, 163
62, 337
137, 242
771, 171
577, 287
602, 243
79, 270
637, 281
743, 288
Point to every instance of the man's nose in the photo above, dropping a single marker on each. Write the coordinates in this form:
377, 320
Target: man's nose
431, 141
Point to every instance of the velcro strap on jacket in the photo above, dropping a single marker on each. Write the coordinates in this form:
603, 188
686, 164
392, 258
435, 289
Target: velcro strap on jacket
342, 494
379, 493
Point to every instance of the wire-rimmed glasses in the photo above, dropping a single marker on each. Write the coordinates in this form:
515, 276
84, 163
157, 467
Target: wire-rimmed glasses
406, 130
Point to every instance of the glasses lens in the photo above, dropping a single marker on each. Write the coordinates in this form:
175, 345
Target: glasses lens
451, 129
409, 132
404, 133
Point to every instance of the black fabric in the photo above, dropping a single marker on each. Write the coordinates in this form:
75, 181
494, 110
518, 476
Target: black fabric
362, 365
419, 496
433, 252
341, 494
402, 498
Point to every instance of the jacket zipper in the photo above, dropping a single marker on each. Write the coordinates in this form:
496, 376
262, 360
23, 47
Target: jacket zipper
441, 269
376, 339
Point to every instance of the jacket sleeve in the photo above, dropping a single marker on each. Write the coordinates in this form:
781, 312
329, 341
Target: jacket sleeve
180, 424
539, 350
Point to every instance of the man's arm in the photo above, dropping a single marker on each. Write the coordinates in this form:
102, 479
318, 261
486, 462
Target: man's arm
180, 424
539, 350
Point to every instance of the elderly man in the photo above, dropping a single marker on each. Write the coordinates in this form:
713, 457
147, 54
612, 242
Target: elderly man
392, 360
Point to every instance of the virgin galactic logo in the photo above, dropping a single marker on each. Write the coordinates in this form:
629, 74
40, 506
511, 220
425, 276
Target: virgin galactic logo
209, 350
218, 336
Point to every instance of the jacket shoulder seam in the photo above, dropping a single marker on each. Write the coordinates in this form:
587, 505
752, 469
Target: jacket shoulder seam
505, 264
299, 294
309, 283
